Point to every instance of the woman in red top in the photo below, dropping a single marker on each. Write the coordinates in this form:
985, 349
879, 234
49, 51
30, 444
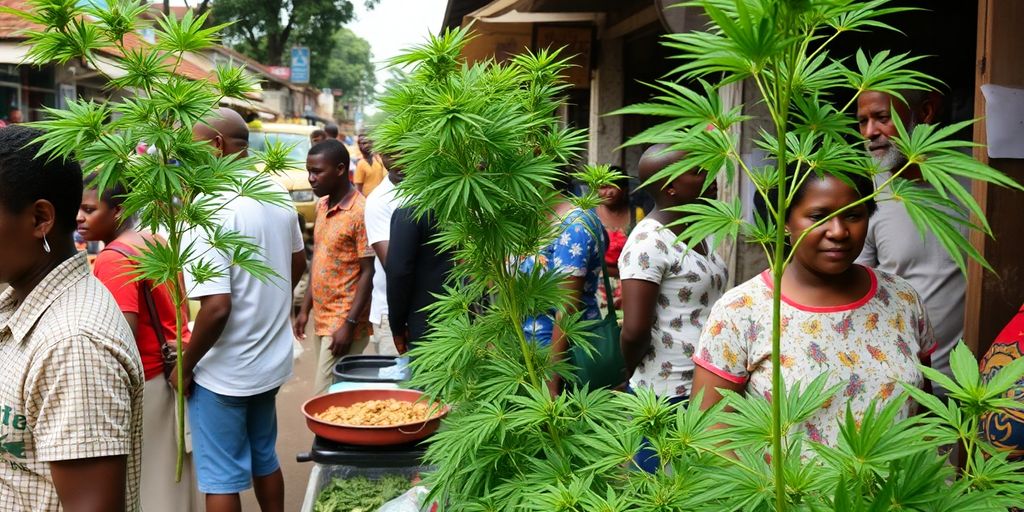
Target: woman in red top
618, 218
100, 219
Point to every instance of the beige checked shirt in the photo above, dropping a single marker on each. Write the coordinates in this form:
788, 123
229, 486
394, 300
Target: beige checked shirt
70, 386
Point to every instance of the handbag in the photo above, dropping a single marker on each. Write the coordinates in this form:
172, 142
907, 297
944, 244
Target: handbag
604, 367
168, 354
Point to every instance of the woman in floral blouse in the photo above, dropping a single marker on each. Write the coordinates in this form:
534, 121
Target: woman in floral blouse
867, 330
577, 253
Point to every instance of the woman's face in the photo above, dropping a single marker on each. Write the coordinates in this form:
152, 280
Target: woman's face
97, 221
611, 195
832, 247
686, 188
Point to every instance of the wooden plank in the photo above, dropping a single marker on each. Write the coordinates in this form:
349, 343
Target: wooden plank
975, 273
992, 299
635, 22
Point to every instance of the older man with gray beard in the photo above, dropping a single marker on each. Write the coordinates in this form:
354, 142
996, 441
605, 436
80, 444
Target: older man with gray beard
893, 242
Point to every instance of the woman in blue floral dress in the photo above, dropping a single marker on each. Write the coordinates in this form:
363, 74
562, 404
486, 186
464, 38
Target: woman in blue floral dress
577, 253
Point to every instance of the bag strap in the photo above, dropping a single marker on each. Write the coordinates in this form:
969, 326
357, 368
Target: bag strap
146, 292
607, 281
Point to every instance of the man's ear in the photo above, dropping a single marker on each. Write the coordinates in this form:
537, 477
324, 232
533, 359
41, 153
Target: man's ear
219, 143
931, 108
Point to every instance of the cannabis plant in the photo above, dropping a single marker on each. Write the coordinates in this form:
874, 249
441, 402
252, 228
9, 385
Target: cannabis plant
481, 147
179, 184
781, 47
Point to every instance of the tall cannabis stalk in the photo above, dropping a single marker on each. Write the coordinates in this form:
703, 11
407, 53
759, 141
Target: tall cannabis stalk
782, 48
181, 184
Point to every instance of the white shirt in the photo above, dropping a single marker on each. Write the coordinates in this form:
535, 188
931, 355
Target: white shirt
689, 284
380, 205
254, 353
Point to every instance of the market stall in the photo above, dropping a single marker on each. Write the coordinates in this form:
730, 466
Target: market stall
349, 477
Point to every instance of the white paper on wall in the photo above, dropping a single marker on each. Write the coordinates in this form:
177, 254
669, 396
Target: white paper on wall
1004, 120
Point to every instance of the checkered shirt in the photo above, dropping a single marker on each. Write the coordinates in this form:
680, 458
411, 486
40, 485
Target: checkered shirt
70, 386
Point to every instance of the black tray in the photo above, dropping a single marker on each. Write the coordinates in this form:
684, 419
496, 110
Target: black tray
329, 452
363, 369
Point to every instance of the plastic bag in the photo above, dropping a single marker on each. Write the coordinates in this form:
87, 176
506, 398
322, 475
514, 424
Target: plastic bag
411, 501
399, 371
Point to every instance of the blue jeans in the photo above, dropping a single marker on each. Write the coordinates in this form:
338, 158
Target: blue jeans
233, 439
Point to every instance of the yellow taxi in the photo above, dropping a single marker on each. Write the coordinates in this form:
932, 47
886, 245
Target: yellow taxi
295, 180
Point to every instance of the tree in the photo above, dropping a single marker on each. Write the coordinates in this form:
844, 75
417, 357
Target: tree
348, 68
266, 29
783, 47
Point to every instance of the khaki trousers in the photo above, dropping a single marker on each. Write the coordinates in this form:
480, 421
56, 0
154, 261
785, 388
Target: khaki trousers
383, 342
325, 361
159, 491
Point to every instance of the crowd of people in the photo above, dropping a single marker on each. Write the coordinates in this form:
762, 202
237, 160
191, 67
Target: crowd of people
88, 421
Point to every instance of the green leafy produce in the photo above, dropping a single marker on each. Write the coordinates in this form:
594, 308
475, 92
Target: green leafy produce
360, 494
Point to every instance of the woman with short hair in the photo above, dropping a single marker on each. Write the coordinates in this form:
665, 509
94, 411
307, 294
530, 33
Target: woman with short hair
73, 383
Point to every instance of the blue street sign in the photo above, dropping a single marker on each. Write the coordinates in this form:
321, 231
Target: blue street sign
300, 65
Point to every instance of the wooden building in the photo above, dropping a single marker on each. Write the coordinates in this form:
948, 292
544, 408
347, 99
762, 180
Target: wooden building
616, 48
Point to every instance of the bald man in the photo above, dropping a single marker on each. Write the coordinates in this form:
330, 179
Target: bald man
241, 347
667, 287
225, 130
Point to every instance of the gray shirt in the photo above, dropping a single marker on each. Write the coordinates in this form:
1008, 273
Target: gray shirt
895, 245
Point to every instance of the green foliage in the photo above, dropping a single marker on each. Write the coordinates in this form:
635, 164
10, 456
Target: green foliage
267, 30
481, 147
179, 186
359, 494
349, 67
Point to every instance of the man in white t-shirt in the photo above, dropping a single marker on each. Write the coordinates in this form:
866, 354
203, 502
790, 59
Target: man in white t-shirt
241, 347
893, 243
667, 288
380, 205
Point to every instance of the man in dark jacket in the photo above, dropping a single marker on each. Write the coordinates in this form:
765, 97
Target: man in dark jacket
416, 271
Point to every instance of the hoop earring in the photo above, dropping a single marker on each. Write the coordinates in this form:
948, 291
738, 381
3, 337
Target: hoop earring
46, 245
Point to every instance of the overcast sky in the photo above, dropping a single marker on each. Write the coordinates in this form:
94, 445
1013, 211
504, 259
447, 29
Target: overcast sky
394, 25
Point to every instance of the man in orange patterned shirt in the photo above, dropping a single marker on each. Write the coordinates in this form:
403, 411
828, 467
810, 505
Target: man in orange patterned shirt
341, 275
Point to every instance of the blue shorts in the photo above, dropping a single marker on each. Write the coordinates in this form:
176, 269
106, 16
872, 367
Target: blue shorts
233, 439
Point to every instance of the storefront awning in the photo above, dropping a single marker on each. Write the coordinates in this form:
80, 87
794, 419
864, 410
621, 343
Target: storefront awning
249, 105
108, 67
514, 16
12, 53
